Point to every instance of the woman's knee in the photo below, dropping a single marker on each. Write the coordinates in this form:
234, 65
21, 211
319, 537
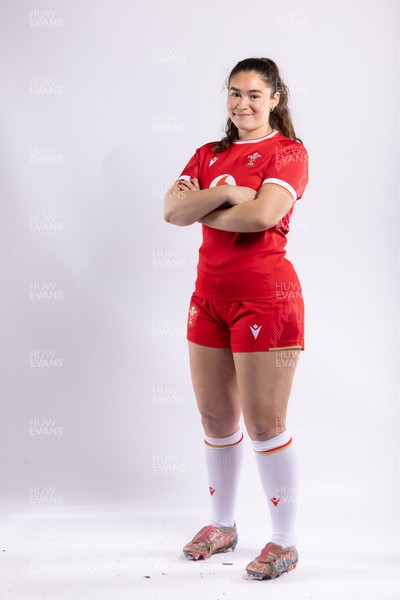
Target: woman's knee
219, 427
265, 429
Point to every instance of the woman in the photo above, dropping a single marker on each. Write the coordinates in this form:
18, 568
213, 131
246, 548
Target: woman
246, 315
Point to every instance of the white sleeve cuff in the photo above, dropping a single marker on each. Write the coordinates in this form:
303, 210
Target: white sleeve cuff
187, 177
283, 184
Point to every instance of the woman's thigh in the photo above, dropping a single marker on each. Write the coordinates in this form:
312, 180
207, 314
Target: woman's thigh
216, 389
264, 385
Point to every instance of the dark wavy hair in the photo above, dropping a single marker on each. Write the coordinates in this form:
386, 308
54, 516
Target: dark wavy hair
279, 118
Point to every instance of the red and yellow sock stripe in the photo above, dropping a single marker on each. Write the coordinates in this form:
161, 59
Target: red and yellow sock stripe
277, 449
221, 447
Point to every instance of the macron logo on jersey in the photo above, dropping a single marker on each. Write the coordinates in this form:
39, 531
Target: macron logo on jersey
255, 330
212, 160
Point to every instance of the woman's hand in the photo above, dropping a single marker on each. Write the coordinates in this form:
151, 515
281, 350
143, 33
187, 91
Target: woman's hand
184, 184
238, 194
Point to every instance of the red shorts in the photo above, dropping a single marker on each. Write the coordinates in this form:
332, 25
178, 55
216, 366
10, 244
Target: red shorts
247, 325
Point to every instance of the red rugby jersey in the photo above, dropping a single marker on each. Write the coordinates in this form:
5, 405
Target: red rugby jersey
238, 266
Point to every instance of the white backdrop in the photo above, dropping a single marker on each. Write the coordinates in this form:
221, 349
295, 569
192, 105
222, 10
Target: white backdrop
103, 103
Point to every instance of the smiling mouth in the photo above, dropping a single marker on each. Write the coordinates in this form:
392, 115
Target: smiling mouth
246, 115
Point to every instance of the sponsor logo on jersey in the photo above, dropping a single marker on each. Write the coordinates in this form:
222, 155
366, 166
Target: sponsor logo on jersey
255, 330
251, 158
212, 160
275, 501
224, 179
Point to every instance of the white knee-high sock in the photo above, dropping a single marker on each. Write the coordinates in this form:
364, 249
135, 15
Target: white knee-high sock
223, 460
279, 473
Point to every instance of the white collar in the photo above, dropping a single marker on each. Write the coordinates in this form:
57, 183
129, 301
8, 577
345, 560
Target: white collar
255, 140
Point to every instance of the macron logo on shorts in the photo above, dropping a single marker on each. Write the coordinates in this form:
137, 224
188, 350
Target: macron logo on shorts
255, 330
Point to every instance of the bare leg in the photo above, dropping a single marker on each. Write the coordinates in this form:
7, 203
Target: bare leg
215, 386
265, 383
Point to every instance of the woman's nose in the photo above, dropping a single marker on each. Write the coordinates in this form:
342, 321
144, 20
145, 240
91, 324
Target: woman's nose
241, 103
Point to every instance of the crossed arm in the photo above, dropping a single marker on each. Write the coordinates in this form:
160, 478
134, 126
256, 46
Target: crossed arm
264, 210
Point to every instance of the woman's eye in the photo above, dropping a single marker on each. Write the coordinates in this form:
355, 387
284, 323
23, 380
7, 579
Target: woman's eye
252, 96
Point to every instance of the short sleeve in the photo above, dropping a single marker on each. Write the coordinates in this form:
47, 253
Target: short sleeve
289, 169
192, 167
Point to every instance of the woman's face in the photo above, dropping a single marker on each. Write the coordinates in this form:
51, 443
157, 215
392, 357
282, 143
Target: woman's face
249, 104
